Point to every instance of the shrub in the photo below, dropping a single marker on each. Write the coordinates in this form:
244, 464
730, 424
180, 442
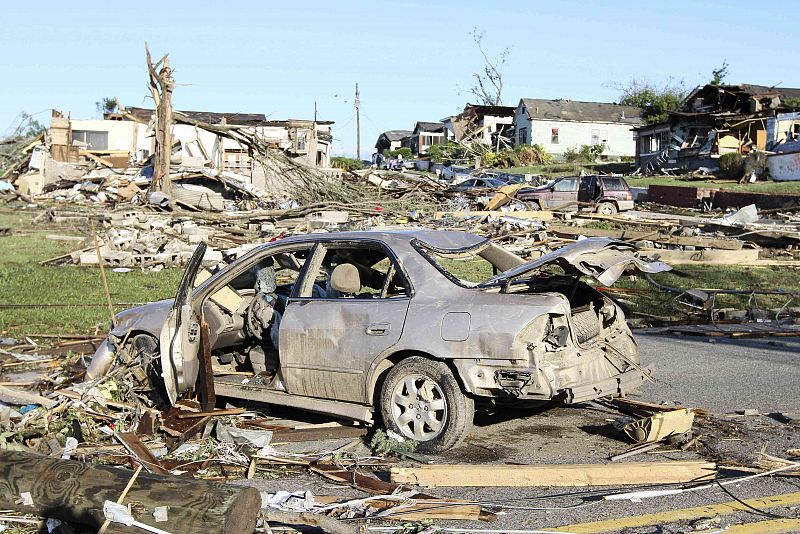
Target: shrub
447, 153
584, 154
348, 164
404, 151
731, 166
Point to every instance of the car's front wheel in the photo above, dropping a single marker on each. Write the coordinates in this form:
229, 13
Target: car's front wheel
422, 401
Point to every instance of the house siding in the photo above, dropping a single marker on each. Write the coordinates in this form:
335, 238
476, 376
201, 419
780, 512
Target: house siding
618, 137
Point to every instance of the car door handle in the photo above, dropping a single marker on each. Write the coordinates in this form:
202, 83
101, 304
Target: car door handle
378, 329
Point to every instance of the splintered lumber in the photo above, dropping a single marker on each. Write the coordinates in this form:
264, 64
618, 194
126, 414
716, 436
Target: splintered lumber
554, 475
75, 492
539, 215
725, 243
747, 256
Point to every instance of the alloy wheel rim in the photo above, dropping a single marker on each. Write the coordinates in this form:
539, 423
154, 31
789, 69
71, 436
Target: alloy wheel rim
419, 408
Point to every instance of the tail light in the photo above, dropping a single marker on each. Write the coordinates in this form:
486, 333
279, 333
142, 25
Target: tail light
628, 195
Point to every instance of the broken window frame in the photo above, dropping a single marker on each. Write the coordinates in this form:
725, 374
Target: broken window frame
303, 288
86, 136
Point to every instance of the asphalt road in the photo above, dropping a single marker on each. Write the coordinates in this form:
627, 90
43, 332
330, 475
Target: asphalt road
722, 377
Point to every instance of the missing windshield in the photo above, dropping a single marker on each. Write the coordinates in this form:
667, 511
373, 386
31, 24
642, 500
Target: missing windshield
473, 266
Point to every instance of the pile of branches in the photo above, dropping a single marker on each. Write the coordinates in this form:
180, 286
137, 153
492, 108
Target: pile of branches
15, 154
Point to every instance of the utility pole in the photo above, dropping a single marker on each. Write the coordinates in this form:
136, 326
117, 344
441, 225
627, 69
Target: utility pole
358, 124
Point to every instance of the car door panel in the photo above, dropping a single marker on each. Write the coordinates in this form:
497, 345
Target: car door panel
179, 342
327, 345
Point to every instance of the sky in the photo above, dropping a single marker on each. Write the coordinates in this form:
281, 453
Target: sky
413, 60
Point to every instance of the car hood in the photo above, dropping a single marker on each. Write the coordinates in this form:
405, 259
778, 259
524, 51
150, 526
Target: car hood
147, 318
601, 258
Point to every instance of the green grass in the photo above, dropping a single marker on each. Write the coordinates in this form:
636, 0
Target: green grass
733, 185
651, 300
24, 281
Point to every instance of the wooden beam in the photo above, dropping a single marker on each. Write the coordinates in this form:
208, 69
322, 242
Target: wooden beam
97, 159
75, 492
554, 475
539, 215
682, 514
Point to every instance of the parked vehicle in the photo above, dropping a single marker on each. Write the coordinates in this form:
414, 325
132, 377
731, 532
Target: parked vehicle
605, 194
477, 185
395, 322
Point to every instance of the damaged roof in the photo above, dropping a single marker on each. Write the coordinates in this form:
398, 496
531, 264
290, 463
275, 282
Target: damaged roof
424, 126
237, 119
575, 110
396, 135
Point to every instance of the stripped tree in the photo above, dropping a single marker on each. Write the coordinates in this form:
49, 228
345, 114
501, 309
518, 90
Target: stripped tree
161, 87
488, 88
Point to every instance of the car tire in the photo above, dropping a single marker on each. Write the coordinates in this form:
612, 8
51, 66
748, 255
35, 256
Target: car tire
143, 350
606, 208
532, 206
422, 401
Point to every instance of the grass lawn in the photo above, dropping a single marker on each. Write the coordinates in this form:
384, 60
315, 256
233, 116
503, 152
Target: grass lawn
651, 300
24, 281
733, 185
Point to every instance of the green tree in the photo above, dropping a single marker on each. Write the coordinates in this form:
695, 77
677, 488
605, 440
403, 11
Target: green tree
26, 128
655, 101
107, 105
718, 75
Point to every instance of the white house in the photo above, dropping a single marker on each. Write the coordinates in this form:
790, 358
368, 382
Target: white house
559, 125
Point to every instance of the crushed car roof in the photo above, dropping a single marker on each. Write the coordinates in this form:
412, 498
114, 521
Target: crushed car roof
437, 239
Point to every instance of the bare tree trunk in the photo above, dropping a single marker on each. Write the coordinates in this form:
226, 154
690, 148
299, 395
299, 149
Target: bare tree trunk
161, 87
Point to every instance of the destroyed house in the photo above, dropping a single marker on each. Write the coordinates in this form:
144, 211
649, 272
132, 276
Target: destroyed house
392, 140
425, 135
128, 137
560, 125
485, 125
711, 121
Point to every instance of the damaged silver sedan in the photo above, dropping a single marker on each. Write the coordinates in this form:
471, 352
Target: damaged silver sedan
416, 325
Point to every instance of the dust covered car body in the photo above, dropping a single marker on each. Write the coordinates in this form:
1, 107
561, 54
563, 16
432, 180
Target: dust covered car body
417, 325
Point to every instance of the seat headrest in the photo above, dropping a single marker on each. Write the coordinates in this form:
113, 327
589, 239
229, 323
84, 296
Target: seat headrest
345, 278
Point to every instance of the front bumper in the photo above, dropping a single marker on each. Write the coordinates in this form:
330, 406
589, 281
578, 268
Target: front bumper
614, 386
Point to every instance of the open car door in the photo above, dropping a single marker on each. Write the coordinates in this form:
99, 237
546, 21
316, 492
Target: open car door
180, 336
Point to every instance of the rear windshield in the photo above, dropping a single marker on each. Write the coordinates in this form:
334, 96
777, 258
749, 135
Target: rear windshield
469, 268
615, 184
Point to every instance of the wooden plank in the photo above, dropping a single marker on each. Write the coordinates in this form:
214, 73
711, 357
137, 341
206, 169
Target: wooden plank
539, 215
135, 446
704, 257
96, 159
421, 509
682, 514
503, 196
554, 475
205, 374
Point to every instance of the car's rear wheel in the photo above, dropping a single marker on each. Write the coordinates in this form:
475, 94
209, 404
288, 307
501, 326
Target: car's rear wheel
422, 401
606, 208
